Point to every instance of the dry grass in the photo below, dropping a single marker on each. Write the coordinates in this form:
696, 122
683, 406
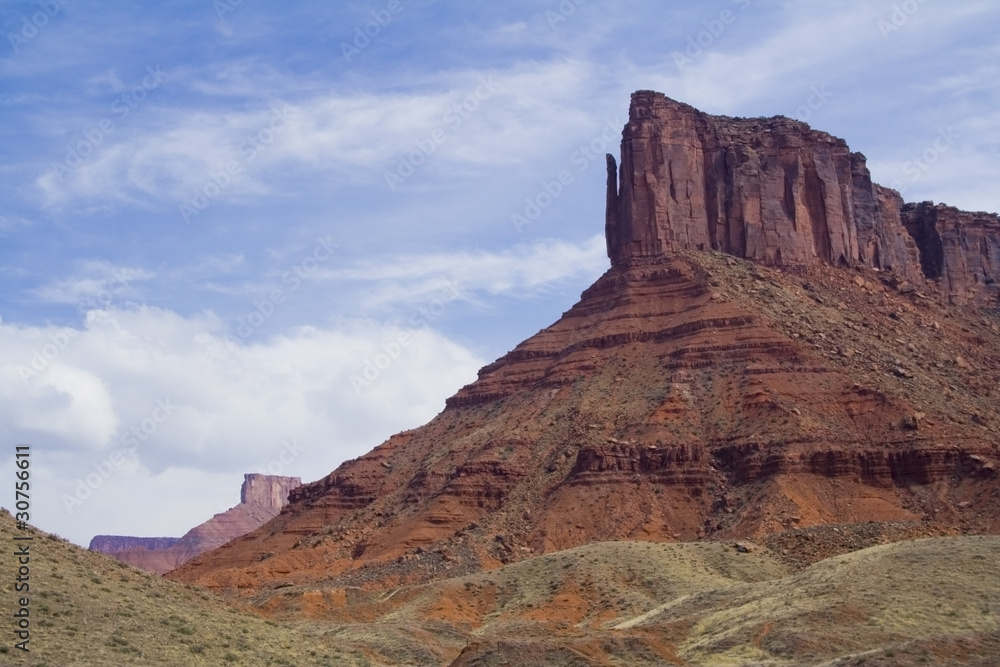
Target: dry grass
931, 601
88, 609
867, 602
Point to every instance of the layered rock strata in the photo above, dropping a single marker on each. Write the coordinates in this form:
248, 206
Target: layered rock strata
655, 409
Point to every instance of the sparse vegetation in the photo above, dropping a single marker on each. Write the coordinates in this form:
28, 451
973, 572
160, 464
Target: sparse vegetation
137, 618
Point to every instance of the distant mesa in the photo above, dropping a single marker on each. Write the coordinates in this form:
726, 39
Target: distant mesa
261, 499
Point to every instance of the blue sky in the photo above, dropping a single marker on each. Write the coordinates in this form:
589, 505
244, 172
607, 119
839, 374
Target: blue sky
214, 216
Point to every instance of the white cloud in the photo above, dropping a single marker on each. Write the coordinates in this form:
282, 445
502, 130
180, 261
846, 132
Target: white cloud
486, 118
522, 272
96, 282
170, 393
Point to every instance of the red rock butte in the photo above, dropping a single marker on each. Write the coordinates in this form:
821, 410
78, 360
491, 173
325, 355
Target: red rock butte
780, 193
690, 393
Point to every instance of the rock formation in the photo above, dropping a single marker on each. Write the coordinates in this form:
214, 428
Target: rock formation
957, 248
261, 498
778, 192
689, 393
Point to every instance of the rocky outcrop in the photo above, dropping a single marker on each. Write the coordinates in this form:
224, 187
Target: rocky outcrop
261, 499
780, 193
958, 248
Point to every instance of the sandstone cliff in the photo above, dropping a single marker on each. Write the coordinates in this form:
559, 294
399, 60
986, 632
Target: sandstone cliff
957, 248
775, 191
261, 499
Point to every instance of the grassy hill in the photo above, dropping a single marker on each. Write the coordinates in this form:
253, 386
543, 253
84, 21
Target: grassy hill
88, 609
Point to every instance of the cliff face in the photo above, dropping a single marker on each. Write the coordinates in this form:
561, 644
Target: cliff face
960, 249
267, 492
261, 499
780, 193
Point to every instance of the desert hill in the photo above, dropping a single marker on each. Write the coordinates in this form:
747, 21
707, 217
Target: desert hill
89, 610
771, 349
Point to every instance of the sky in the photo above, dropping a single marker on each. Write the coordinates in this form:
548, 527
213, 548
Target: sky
239, 236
